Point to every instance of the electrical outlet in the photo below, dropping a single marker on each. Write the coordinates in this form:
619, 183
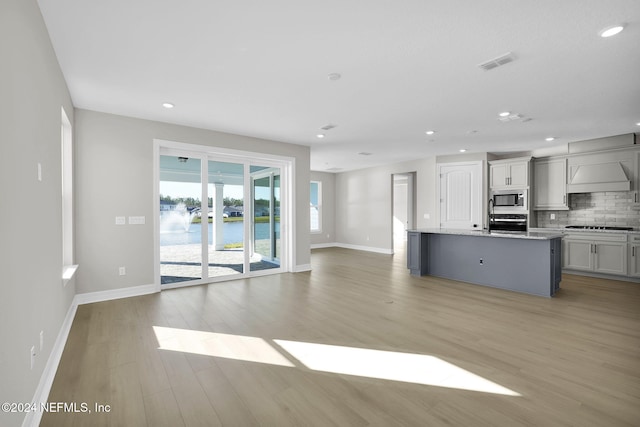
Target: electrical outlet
122, 271
41, 340
552, 216
120, 220
32, 355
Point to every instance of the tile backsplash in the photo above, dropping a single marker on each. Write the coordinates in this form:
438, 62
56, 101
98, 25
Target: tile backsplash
612, 208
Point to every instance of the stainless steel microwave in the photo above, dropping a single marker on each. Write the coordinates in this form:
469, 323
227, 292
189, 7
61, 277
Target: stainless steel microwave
509, 200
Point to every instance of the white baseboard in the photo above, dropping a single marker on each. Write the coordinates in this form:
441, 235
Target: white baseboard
365, 248
323, 245
99, 296
348, 246
46, 379
302, 268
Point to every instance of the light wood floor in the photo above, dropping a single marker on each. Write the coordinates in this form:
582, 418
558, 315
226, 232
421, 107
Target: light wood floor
573, 359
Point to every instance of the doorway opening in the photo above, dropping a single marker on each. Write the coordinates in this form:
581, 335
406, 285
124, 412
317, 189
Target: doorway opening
403, 208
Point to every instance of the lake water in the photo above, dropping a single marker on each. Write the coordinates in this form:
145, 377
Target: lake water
233, 232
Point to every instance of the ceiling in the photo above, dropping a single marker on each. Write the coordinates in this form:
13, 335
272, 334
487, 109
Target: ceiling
261, 68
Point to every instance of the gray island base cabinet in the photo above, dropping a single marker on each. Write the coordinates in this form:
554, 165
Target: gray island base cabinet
529, 263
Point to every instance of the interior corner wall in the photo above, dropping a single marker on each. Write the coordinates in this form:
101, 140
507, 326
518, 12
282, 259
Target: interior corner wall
364, 203
33, 298
114, 170
328, 234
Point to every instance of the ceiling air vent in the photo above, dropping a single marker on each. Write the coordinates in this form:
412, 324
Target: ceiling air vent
333, 169
328, 127
496, 62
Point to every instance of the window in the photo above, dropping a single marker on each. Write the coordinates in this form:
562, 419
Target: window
66, 158
315, 206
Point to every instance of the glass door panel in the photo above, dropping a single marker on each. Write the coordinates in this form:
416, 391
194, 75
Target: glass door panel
226, 219
180, 229
265, 191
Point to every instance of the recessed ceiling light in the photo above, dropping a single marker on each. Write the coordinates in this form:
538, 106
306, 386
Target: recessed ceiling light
504, 114
334, 76
320, 135
167, 105
549, 139
430, 132
611, 31
462, 150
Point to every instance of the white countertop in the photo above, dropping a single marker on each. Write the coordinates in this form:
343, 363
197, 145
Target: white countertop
532, 235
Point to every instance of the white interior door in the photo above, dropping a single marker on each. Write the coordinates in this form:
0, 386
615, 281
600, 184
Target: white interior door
460, 195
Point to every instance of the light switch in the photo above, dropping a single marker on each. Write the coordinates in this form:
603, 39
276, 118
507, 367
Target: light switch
136, 220
39, 171
120, 220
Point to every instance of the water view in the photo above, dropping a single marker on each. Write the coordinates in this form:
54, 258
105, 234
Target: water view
232, 232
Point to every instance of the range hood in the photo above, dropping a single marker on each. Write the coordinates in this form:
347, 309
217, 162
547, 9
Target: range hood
594, 177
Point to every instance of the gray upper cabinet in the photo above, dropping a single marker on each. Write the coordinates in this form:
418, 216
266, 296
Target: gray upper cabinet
509, 173
550, 184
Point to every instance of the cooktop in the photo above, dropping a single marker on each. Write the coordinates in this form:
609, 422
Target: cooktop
598, 227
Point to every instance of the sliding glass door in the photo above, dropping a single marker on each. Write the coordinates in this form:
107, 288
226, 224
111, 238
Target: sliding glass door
265, 189
180, 219
226, 219
219, 218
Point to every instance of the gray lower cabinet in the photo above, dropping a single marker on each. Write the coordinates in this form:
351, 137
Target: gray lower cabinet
634, 255
417, 259
596, 252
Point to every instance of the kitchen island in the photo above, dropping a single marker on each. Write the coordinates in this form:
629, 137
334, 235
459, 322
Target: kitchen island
523, 262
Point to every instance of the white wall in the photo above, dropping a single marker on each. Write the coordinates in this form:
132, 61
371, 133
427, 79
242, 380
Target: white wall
328, 234
115, 178
364, 203
33, 299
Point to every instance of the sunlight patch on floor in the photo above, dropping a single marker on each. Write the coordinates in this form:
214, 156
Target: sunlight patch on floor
385, 365
238, 347
389, 365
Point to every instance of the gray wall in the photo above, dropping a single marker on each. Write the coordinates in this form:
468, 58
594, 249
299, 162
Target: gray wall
32, 90
364, 202
115, 178
328, 234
